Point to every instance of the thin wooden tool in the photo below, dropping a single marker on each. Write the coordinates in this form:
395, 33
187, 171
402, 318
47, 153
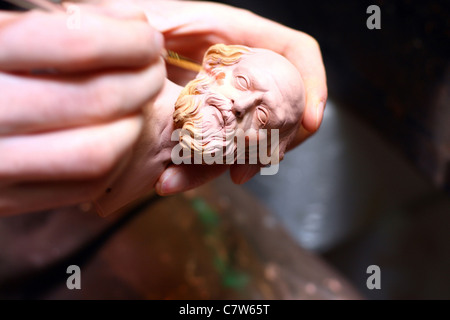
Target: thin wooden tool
177, 60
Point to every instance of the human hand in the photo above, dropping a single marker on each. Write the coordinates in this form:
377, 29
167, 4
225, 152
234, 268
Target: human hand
190, 27
70, 102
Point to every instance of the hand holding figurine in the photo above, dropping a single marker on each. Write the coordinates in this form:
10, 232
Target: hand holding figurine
191, 27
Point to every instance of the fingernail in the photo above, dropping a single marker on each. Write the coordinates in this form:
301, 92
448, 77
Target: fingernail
158, 188
319, 113
173, 182
99, 209
158, 40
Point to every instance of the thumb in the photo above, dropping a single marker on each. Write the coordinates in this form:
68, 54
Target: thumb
179, 178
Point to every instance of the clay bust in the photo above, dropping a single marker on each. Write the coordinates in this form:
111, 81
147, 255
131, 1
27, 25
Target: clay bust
239, 89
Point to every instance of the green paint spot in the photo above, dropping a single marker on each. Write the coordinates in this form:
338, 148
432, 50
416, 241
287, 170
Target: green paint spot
220, 265
234, 279
206, 214
231, 278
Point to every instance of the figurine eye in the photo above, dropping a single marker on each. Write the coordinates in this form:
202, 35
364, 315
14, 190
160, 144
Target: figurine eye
242, 82
262, 114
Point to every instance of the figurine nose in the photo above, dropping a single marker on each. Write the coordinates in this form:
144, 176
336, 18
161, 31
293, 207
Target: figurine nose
240, 108
244, 103
238, 111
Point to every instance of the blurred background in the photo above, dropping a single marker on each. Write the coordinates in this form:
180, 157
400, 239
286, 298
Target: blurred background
370, 188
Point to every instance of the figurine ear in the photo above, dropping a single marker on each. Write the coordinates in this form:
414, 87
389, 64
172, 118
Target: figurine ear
208, 67
213, 71
220, 75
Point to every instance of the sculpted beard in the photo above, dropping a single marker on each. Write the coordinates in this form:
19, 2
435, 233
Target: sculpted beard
206, 119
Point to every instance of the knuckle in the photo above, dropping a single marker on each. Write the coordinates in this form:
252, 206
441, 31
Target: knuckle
312, 42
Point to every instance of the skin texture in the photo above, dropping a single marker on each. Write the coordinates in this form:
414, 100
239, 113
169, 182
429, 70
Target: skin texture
151, 155
65, 136
77, 132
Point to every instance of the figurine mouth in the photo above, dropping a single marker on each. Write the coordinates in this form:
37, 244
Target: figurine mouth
222, 109
210, 127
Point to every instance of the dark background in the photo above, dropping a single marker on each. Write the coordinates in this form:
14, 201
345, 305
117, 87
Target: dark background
371, 187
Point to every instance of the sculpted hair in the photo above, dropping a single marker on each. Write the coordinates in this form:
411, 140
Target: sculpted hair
190, 99
221, 55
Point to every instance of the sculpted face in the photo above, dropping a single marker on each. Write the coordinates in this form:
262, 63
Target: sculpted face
240, 88
264, 88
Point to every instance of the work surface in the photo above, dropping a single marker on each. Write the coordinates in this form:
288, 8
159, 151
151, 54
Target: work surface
216, 242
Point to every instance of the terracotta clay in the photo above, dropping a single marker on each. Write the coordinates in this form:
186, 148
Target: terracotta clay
239, 88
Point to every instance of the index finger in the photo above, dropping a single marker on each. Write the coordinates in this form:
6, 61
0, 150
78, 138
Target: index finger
41, 40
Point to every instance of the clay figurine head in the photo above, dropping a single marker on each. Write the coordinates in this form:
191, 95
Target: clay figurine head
239, 89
